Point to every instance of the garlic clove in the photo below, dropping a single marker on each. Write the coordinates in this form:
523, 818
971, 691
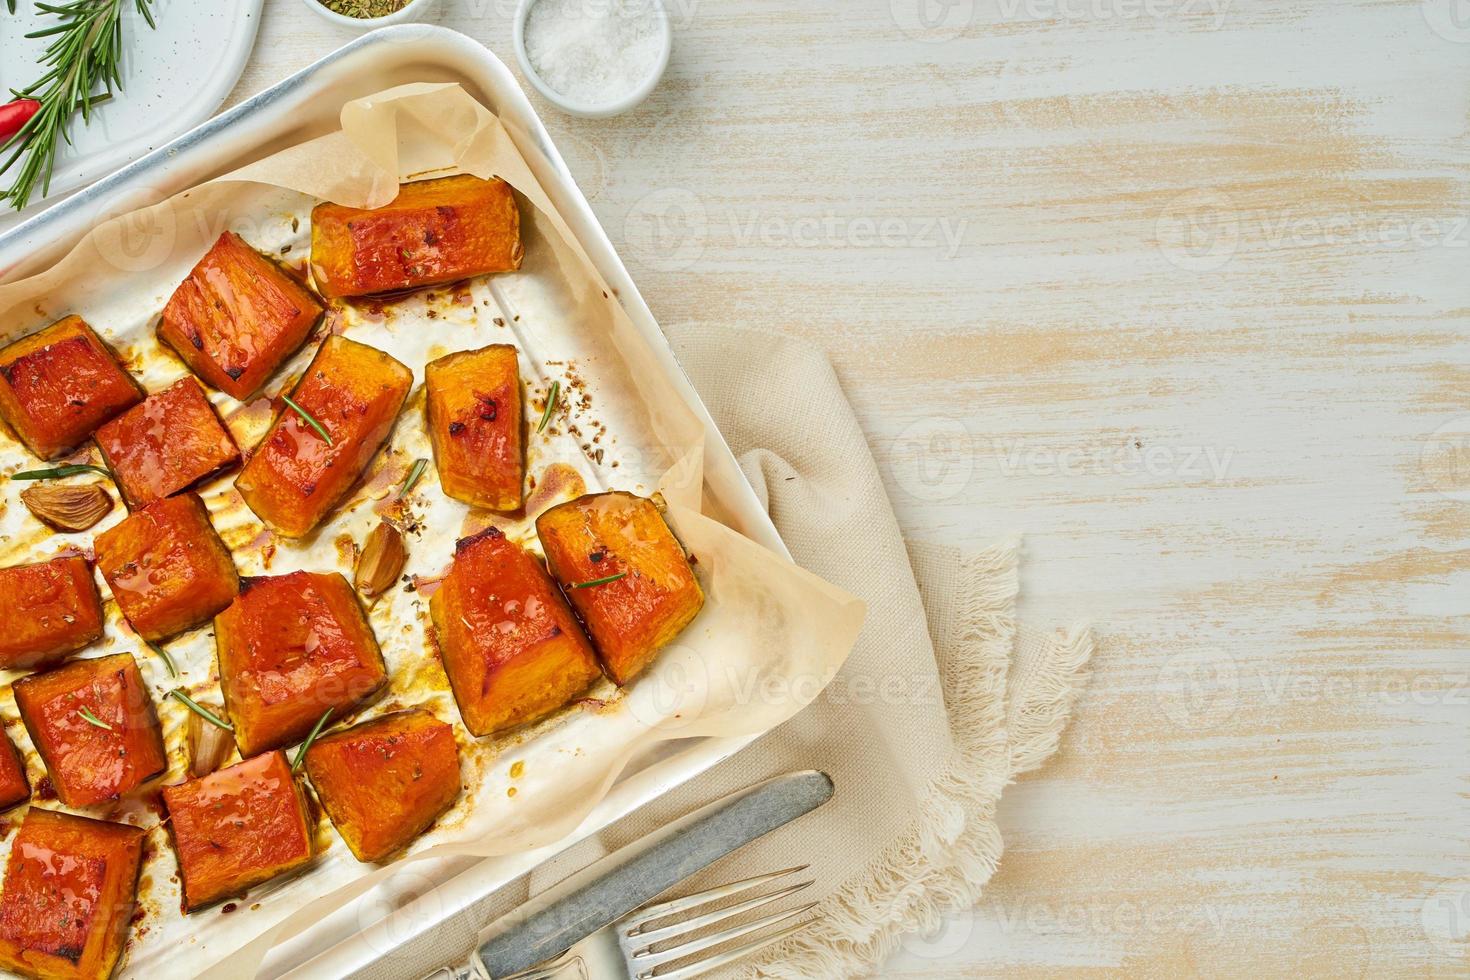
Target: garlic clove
209, 745
68, 507
381, 561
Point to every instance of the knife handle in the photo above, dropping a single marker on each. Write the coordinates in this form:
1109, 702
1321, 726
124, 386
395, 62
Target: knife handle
621, 882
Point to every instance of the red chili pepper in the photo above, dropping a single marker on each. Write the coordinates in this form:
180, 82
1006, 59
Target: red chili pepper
14, 115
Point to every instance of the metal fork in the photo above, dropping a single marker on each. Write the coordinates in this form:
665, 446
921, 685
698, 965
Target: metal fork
640, 942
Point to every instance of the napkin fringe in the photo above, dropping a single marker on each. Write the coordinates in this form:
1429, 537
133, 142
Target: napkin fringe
941, 863
1036, 729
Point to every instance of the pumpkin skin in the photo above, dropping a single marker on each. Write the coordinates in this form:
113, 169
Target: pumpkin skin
70, 885
237, 317
510, 644
295, 478
433, 232
168, 569
238, 827
290, 648
383, 782
604, 534
59, 384
169, 443
54, 611
87, 762
15, 785
473, 404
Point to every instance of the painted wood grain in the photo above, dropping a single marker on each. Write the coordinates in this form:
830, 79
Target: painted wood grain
1177, 288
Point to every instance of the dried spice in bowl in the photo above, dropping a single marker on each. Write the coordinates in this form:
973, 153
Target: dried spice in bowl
364, 9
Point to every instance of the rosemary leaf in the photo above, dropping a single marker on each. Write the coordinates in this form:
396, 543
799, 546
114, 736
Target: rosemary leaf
413, 477
92, 719
201, 711
167, 660
60, 472
551, 397
597, 581
315, 731
306, 417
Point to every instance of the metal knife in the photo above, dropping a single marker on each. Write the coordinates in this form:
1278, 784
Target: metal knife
632, 876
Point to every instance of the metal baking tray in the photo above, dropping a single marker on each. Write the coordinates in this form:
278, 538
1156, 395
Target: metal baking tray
305, 105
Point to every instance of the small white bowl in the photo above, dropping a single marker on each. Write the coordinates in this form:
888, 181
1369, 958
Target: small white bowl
601, 110
411, 11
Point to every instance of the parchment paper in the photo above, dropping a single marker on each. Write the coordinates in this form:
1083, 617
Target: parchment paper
770, 635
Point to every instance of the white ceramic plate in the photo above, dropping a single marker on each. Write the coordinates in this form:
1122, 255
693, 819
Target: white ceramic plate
174, 78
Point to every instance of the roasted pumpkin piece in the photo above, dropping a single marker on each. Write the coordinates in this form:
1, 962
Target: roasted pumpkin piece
290, 648
171, 442
52, 610
510, 644
70, 884
237, 318
383, 782
15, 786
59, 384
93, 724
297, 475
237, 827
168, 569
625, 573
434, 231
474, 415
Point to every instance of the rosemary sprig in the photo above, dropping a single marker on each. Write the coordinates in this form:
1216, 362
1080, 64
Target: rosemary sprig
92, 719
551, 397
167, 660
413, 477
306, 417
200, 710
60, 472
315, 731
86, 52
597, 581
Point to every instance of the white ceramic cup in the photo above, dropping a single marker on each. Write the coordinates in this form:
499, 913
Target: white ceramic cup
600, 110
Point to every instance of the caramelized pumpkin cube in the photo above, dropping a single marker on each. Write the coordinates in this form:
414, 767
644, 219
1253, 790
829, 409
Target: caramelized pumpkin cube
168, 569
59, 384
237, 827
237, 317
70, 884
626, 574
511, 646
474, 416
383, 782
169, 443
15, 786
291, 648
297, 475
93, 724
52, 611
434, 231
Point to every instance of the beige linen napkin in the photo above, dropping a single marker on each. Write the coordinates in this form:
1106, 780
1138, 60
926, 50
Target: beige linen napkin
938, 707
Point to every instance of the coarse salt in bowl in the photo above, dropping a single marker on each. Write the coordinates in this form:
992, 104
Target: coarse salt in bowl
593, 58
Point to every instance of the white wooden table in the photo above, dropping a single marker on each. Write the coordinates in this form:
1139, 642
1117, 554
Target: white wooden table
1177, 288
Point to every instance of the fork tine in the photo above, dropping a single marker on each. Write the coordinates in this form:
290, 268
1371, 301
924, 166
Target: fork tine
650, 913
650, 937
699, 967
651, 960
